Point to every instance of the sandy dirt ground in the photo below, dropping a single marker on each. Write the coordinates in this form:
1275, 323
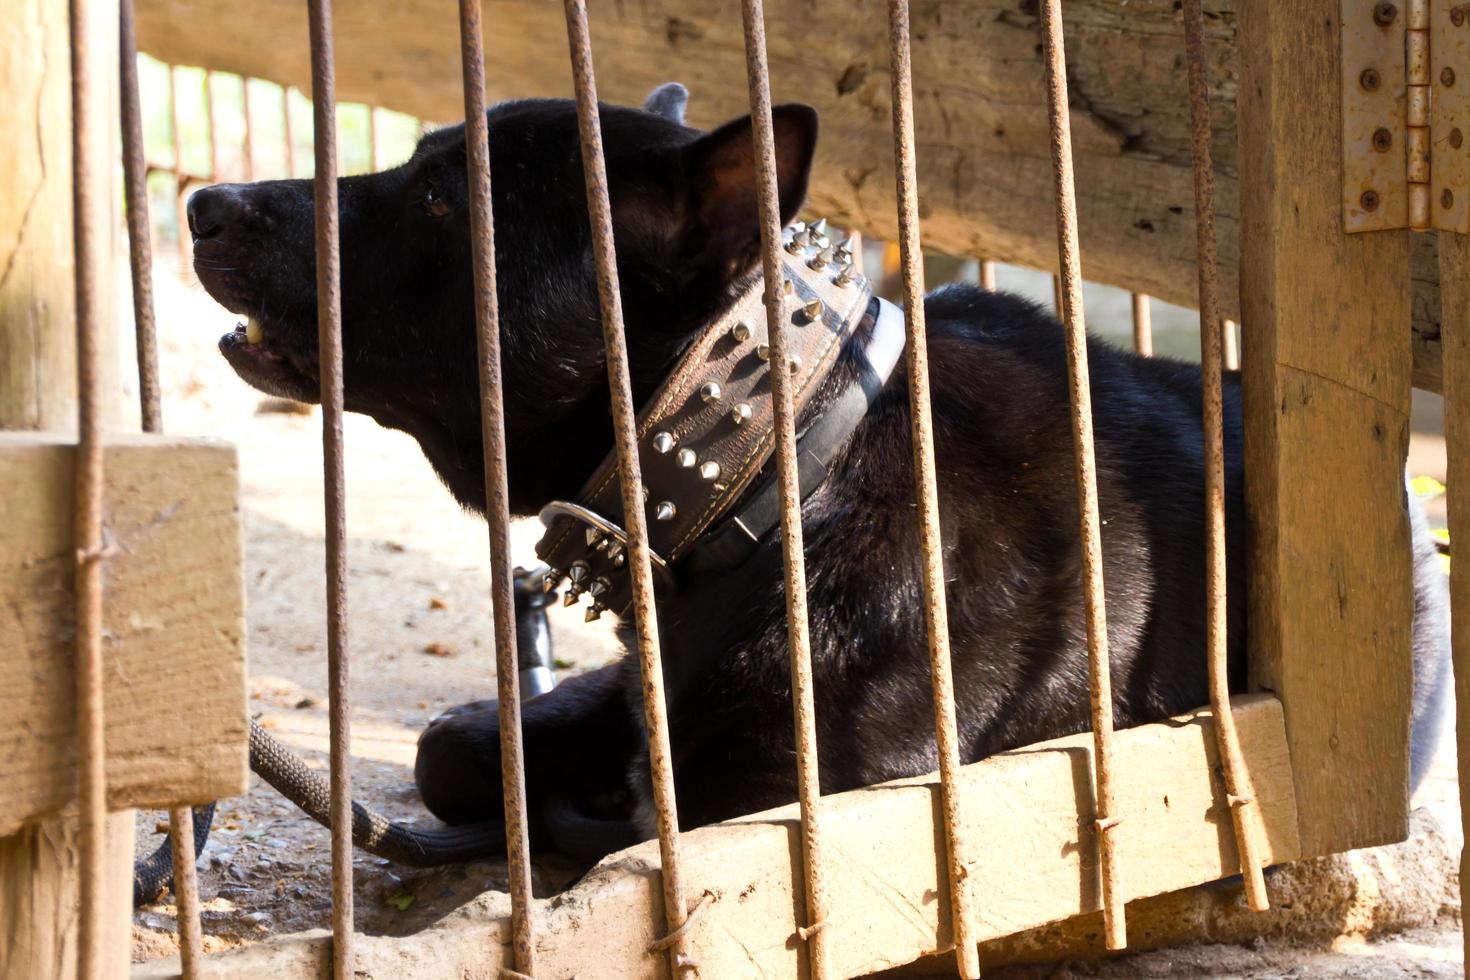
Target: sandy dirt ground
420, 614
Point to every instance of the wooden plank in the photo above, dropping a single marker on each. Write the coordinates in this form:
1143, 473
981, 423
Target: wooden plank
980, 108
1031, 820
1326, 415
1454, 263
174, 608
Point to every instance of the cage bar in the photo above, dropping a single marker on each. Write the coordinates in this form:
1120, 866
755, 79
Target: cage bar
181, 179
808, 783
497, 500
1143, 325
987, 275
1237, 780
329, 343
1231, 340
936, 617
1070, 294
247, 139
599, 207
87, 531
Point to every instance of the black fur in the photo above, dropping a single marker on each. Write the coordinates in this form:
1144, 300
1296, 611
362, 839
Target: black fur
684, 208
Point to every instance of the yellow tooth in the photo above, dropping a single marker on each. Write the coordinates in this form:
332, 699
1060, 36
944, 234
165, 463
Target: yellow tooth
253, 333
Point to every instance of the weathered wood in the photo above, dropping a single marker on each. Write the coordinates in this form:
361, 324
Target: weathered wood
37, 303
1031, 820
174, 609
1454, 265
38, 900
1326, 413
980, 109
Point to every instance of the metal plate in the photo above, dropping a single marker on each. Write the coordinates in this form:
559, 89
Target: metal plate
1374, 91
1449, 119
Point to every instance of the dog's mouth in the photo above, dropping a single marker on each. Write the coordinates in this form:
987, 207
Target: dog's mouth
254, 350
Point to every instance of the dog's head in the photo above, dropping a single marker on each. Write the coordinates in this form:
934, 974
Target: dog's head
687, 232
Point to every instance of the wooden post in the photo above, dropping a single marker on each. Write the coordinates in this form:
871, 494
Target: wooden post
38, 865
1454, 266
1326, 418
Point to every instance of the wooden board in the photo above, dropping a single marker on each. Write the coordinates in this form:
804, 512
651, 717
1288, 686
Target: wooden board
174, 611
979, 101
1327, 372
1454, 259
1029, 815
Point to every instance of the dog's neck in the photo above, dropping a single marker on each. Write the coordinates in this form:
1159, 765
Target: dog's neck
707, 432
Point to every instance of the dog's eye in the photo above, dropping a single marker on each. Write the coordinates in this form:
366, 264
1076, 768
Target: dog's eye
434, 203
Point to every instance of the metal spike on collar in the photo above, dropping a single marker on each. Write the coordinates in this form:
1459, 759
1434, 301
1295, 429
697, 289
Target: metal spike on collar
711, 391
665, 510
812, 311
741, 331
594, 536
600, 587
662, 442
845, 275
817, 228
709, 470
578, 573
570, 597
617, 556
741, 413
820, 261
795, 362
686, 459
763, 351
549, 580
594, 612
788, 287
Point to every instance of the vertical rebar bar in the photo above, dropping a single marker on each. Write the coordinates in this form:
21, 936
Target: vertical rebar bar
181, 179
497, 501
1239, 796
1090, 525
599, 207
213, 126
963, 918
375, 159
87, 530
1143, 325
987, 275
1231, 353
329, 343
135, 189
808, 782
288, 138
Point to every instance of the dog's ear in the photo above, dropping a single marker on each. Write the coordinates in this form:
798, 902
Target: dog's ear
668, 101
721, 215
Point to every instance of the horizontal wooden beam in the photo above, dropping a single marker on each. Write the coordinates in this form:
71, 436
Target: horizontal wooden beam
1030, 817
174, 615
979, 101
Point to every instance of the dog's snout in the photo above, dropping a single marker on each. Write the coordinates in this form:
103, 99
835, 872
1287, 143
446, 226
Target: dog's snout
213, 209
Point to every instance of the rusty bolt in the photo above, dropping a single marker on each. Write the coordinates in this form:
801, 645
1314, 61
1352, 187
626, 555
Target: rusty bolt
1456, 138
1370, 79
1384, 14
1447, 199
1369, 200
1382, 140
1457, 17
1447, 77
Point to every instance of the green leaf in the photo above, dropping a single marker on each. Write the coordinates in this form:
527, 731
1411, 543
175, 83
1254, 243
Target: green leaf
1426, 487
400, 900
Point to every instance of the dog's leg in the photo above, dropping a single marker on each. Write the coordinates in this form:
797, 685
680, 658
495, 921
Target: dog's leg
578, 741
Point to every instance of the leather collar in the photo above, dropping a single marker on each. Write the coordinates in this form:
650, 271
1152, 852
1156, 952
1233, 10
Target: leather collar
706, 434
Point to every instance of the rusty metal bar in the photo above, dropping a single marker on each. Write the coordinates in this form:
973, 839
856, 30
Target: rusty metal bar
987, 275
87, 531
1100, 682
135, 189
288, 140
809, 788
140, 258
247, 142
1143, 325
329, 343
1240, 797
375, 159
497, 500
599, 208
962, 911
1231, 341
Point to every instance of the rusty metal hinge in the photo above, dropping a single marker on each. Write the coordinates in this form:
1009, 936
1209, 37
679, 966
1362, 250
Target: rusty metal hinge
1405, 115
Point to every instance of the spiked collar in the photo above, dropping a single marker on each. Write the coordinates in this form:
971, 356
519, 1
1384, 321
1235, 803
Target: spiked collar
706, 434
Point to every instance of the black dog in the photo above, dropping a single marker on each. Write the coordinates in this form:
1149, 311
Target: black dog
685, 216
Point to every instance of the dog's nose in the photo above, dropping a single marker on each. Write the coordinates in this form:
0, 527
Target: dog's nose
212, 209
